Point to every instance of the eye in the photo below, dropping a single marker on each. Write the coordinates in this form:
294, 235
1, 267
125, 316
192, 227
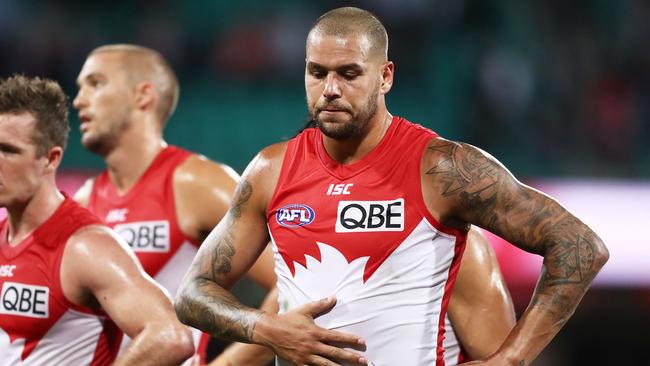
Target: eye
350, 75
8, 149
318, 74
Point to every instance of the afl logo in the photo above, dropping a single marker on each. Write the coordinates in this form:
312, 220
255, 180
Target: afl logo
295, 215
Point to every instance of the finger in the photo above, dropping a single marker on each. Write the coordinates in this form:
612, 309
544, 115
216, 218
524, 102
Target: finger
340, 338
335, 353
316, 360
316, 308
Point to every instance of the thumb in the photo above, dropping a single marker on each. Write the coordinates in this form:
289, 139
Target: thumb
317, 308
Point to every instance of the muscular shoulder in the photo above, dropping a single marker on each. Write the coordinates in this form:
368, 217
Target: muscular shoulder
268, 160
198, 173
82, 196
444, 157
461, 175
263, 172
93, 254
95, 243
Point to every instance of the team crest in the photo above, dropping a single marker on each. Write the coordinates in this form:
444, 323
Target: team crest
295, 215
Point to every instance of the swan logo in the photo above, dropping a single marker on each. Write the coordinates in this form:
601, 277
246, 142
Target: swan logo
295, 215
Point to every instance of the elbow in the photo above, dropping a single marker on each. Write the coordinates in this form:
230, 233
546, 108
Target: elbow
601, 255
180, 306
180, 342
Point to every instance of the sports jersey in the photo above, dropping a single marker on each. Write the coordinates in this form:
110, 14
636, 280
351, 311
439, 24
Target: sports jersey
38, 324
145, 217
362, 232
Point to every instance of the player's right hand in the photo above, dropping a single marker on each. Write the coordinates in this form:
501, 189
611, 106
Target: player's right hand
297, 339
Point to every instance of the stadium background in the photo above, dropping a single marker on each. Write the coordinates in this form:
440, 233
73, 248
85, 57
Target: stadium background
559, 91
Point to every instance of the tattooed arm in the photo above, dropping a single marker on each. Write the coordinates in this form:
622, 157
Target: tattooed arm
204, 301
463, 184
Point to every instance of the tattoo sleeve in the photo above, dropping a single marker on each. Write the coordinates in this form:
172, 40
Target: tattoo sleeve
487, 195
202, 301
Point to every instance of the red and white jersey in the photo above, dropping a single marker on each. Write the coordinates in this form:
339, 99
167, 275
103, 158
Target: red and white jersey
145, 217
362, 232
38, 325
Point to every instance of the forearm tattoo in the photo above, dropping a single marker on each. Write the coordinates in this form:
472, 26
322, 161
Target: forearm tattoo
206, 305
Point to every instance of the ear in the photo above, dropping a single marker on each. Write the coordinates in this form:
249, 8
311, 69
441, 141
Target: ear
146, 96
387, 72
53, 157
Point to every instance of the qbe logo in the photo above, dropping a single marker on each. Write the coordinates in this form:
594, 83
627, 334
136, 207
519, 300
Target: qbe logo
368, 216
295, 215
145, 236
25, 300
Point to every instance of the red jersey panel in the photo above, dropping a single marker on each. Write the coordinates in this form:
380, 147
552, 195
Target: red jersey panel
145, 217
362, 232
38, 325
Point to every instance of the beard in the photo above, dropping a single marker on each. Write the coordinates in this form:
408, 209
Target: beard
355, 126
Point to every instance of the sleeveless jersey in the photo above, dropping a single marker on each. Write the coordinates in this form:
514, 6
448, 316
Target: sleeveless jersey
38, 324
362, 232
145, 217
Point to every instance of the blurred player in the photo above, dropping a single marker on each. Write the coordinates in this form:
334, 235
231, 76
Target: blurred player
61, 271
161, 199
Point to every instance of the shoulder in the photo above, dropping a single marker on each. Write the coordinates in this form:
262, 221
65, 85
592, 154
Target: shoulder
198, 172
82, 196
459, 164
92, 252
94, 242
261, 175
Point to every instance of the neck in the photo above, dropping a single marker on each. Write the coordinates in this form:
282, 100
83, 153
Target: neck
136, 150
25, 217
351, 150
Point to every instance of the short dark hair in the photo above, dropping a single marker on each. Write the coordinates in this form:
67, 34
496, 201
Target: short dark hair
45, 101
354, 21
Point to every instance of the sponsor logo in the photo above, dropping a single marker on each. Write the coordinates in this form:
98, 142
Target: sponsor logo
295, 215
24, 300
146, 236
368, 216
339, 189
117, 215
7, 270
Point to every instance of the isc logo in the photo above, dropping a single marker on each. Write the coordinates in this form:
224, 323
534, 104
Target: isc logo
295, 215
367, 216
24, 300
338, 189
145, 236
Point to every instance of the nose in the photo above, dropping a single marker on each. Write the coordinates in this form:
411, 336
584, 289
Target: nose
332, 88
79, 100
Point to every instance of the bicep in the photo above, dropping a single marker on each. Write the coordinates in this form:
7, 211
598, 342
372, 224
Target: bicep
475, 188
480, 309
236, 242
119, 284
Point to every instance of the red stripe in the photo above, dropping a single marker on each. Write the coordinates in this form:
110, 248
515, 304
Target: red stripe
202, 348
108, 344
451, 280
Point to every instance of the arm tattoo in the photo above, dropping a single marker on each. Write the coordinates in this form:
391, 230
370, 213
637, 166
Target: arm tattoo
487, 195
224, 250
204, 303
242, 195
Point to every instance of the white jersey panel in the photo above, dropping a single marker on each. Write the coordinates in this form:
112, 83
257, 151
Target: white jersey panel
397, 311
71, 341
